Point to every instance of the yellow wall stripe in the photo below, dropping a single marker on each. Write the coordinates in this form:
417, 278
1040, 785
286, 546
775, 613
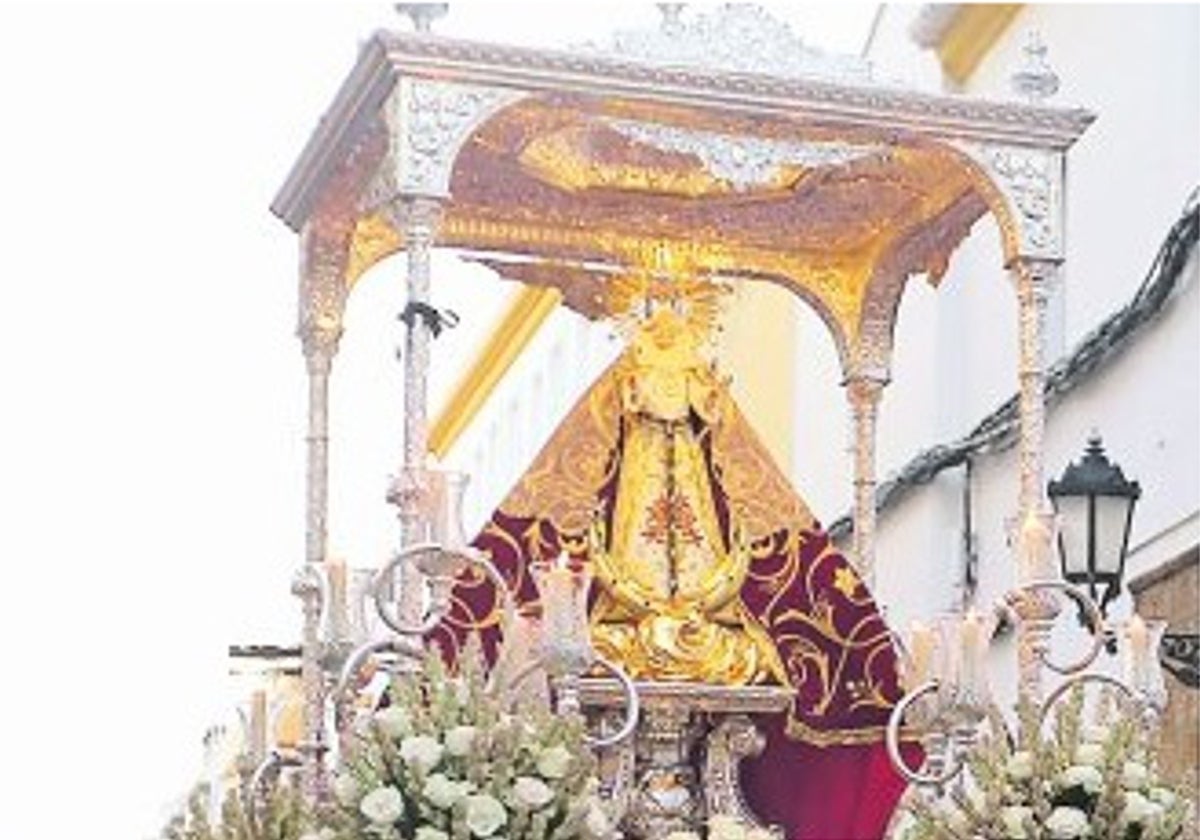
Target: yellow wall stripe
971, 35
508, 340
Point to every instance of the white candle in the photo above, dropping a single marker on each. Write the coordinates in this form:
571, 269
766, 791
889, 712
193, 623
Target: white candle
1035, 539
971, 647
1139, 652
921, 645
258, 725
339, 617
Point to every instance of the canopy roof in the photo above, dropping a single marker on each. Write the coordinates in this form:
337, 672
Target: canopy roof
723, 138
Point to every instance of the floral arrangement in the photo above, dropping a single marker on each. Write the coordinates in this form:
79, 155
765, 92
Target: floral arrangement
280, 815
1094, 781
722, 827
447, 760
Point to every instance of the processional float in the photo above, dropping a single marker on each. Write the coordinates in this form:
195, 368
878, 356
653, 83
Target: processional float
748, 668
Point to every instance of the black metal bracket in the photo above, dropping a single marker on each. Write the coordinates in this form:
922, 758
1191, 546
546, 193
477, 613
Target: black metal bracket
1180, 656
435, 320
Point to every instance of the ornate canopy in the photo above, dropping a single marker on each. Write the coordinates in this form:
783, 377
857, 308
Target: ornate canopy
723, 136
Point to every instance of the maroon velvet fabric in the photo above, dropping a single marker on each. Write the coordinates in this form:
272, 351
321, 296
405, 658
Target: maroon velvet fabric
825, 774
845, 792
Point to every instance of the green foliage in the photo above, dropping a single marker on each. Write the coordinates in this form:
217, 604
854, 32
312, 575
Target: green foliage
280, 815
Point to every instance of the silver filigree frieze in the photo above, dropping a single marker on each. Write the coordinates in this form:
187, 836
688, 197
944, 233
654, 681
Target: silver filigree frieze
736, 38
744, 162
429, 122
1031, 181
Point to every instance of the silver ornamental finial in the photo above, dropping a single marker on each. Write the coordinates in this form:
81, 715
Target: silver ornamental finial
423, 15
671, 12
1036, 80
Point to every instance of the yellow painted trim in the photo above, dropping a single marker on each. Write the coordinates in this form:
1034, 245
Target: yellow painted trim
511, 335
971, 35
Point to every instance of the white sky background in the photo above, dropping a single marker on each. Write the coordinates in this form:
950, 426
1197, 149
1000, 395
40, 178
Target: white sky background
151, 435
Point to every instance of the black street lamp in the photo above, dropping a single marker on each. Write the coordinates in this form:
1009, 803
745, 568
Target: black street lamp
1095, 505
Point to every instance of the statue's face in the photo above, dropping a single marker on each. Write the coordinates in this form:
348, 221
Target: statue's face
665, 342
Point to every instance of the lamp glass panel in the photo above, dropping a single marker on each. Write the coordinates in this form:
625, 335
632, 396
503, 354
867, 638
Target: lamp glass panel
1073, 533
1112, 514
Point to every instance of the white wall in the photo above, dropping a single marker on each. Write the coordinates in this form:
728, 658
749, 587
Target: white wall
1128, 179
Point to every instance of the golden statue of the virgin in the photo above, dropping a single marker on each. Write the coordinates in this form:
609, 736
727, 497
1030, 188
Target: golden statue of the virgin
669, 571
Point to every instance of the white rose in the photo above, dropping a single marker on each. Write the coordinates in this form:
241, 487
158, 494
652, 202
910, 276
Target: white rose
326, 833
421, 751
1091, 754
1163, 796
485, 814
427, 832
724, 827
554, 762
596, 823
532, 793
1134, 775
1019, 766
460, 739
1086, 777
443, 793
1067, 823
1094, 734
1013, 818
759, 834
345, 789
383, 806
394, 721
1136, 808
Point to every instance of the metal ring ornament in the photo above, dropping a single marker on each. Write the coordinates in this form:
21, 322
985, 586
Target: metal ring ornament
273, 763
892, 739
413, 555
633, 704
1067, 685
1095, 620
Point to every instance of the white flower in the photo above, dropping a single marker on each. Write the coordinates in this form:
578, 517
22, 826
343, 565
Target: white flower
553, 762
345, 789
485, 814
1163, 796
1067, 823
427, 832
1139, 810
724, 827
532, 793
1086, 777
1091, 754
325, 833
460, 739
759, 834
443, 793
596, 822
383, 805
1013, 818
1094, 734
421, 751
1134, 775
682, 835
1019, 766
394, 721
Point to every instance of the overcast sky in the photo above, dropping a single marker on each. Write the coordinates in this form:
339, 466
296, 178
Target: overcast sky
152, 425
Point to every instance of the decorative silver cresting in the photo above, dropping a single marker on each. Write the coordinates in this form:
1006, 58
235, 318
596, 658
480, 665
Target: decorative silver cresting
1036, 79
